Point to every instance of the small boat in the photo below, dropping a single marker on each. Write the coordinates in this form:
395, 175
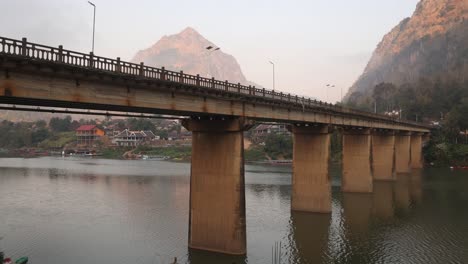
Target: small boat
22, 260
7, 261
459, 167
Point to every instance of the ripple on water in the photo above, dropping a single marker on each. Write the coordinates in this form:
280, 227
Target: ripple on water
66, 211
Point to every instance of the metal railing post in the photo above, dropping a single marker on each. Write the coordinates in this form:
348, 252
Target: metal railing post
118, 68
142, 69
181, 77
226, 83
198, 80
60, 55
91, 60
212, 82
163, 73
24, 42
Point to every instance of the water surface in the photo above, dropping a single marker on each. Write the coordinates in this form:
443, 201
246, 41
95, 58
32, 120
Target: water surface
69, 210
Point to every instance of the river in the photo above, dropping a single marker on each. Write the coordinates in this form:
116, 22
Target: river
71, 210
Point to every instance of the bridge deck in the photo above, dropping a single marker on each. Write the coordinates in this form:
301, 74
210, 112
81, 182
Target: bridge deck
41, 75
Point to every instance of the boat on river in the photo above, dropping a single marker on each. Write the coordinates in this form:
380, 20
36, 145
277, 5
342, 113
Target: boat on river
459, 167
22, 260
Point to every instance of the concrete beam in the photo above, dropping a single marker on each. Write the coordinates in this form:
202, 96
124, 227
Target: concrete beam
217, 190
416, 151
383, 156
357, 173
402, 152
311, 191
84, 89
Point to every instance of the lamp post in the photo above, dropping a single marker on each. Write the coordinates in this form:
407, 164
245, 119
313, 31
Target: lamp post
326, 90
273, 75
210, 49
94, 22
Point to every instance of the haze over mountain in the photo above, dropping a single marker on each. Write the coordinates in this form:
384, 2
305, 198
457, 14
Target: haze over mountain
187, 51
433, 43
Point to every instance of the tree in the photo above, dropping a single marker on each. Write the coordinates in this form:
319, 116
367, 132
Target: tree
140, 124
58, 124
39, 135
278, 145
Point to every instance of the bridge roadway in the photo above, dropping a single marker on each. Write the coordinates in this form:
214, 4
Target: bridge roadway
375, 147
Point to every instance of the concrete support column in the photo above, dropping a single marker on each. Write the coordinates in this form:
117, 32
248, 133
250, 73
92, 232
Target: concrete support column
357, 174
416, 151
383, 155
311, 191
217, 190
402, 152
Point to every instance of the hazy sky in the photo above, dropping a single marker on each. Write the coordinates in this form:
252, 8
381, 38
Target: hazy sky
312, 42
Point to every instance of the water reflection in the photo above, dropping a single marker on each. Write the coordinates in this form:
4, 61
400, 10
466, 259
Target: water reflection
402, 192
310, 233
416, 186
137, 212
357, 209
199, 256
383, 203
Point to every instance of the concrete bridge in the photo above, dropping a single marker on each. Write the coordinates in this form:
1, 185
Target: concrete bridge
375, 147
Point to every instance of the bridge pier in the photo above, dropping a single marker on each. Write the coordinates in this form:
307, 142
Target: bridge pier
357, 173
416, 151
217, 190
383, 155
311, 191
402, 152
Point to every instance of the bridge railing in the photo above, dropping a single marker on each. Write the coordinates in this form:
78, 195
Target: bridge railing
89, 60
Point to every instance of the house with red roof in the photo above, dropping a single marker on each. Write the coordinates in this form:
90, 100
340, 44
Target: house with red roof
87, 134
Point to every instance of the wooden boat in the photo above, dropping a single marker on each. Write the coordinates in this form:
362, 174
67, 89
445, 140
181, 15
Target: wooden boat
22, 260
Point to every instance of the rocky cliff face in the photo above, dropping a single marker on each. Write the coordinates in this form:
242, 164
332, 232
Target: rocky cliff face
187, 51
433, 43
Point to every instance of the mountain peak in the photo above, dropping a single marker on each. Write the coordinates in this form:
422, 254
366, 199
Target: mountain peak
428, 44
189, 31
186, 51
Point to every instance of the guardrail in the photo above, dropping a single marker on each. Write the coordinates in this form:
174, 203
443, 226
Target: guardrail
89, 60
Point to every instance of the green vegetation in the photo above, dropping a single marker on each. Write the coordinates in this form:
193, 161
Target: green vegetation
23, 134
140, 124
58, 140
336, 146
113, 153
172, 152
254, 153
430, 101
275, 147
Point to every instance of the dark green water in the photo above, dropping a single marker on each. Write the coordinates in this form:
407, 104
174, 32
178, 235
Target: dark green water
79, 211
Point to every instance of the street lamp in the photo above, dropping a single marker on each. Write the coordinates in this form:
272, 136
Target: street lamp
94, 22
273, 75
210, 49
326, 91
214, 48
